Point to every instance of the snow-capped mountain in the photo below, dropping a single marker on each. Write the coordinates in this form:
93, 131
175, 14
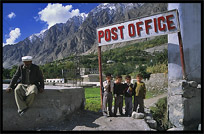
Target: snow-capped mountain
77, 35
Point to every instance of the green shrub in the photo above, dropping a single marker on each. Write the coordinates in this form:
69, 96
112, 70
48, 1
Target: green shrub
160, 114
158, 68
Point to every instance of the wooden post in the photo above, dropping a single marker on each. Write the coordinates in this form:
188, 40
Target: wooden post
182, 56
100, 74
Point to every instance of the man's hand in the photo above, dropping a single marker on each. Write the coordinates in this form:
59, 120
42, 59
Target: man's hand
8, 90
41, 90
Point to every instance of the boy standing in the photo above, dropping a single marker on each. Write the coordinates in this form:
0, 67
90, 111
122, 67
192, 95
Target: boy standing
140, 93
129, 92
118, 93
107, 96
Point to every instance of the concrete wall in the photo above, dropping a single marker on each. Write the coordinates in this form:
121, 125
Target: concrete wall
50, 107
190, 24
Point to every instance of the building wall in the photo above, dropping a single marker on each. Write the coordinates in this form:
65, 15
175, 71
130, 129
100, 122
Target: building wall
54, 80
85, 71
190, 24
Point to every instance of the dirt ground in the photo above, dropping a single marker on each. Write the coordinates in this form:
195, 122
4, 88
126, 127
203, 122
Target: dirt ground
152, 101
92, 121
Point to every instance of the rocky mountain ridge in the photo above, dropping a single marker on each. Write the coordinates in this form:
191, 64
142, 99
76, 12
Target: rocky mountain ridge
78, 35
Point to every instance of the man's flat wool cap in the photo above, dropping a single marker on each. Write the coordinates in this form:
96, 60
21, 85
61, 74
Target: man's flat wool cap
27, 58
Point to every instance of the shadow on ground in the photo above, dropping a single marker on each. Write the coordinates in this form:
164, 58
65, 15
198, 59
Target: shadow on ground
82, 118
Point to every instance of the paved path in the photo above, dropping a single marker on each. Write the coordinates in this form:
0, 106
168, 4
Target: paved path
152, 101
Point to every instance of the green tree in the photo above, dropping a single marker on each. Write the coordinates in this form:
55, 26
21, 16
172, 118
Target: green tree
6, 73
142, 69
13, 71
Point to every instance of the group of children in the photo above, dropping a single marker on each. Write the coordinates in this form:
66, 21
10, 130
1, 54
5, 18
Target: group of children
118, 90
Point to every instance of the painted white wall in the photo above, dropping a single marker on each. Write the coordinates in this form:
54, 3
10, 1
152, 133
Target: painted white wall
190, 24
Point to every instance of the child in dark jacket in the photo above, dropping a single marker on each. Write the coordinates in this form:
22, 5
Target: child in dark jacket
129, 92
118, 94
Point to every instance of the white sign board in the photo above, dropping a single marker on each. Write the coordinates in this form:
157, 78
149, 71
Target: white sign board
155, 25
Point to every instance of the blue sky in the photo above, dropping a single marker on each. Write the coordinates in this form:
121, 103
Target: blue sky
20, 20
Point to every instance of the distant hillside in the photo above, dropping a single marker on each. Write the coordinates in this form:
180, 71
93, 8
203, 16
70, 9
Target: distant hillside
157, 48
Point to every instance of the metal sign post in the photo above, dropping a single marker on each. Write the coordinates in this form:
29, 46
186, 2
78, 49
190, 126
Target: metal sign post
182, 56
100, 74
181, 51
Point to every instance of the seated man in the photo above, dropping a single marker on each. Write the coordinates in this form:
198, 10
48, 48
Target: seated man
31, 81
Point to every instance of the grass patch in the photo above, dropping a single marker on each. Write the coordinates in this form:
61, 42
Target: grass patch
93, 99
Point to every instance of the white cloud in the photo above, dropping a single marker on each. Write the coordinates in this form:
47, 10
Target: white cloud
13, 35
11, 15
57, 13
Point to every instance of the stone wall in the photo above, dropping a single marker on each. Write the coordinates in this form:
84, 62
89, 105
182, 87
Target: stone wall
157, 81
184, 104
49, 107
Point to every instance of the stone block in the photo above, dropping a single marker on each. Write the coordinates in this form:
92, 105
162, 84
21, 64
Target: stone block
147, 110
176, 87
175, 129
188, 92
199, 127
136, 115
193, 84
192, 110
152, 124
175, 109
199, 86
181, 121
148, 118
